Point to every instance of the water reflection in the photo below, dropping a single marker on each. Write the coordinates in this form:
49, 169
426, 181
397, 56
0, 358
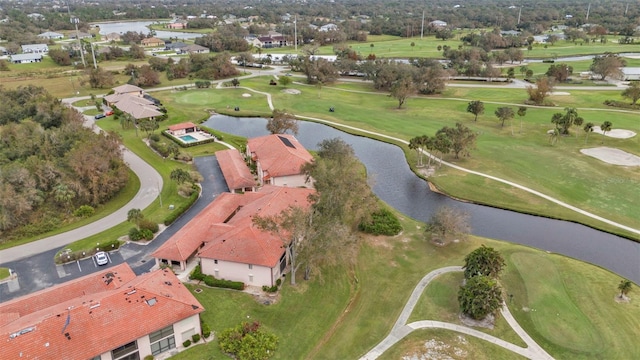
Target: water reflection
397, 185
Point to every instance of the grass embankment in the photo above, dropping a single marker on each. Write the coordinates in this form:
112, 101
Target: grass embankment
519, 151
4, 273
346, 313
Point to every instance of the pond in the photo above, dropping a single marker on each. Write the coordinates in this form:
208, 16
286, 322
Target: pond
141, 26
393, 181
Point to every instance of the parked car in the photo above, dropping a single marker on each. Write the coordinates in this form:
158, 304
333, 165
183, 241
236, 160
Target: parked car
101, 258
100, 116
108, 113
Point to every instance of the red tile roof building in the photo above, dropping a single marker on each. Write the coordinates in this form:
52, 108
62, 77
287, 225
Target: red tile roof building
235, 171
229, 245
105, 315
279, 159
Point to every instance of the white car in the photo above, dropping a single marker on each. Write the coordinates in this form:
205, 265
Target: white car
101, 258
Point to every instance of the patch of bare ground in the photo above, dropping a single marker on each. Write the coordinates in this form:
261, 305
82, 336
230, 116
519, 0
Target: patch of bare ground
262, 297
439, 350
488, 322
622, 300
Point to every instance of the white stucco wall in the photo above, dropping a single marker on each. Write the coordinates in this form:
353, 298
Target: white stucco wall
240, 272
291, 181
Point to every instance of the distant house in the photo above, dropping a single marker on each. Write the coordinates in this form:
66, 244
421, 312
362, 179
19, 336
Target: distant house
131, 100
3, 51
112, 37
80, 35
630, 73
35, 49
177, 25
279, 160
152, 42
176, 46
194, 49
110, 314
328, 27
510, 33
227, 242
25, 58
267, 42
36, 16
182, 129
51, 35
235, 171
438, 24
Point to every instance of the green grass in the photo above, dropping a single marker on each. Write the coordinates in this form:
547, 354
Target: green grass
4, 273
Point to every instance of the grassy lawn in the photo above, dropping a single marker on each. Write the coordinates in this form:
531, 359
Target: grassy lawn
349, 310
4, 273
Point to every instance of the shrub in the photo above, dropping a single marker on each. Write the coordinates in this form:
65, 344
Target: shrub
186, 343
269, 289
206, 331
134, 234
154, 137
248, 341
383, 222
195, 338
197, 274
149, 357
146, 234
84, 211
181, 209
278, 282
184, 157
149, 225
221, 283
109, 245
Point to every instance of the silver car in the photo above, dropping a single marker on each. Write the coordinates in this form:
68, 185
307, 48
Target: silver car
101, 258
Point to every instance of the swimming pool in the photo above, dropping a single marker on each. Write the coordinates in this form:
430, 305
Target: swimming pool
188, 138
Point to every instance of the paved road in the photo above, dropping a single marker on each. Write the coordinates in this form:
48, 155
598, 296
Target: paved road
401, 328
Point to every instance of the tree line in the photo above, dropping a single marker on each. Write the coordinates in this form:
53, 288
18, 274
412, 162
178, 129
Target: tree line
50, 164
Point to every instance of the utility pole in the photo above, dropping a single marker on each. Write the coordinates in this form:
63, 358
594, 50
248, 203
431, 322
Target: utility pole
588, 10
519, 14
626, 9
295, 32
422, 26
93, 53
75, 21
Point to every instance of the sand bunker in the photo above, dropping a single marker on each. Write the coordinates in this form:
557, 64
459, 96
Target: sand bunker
613, 156
615, 133
555, 93
246, 95
291, 91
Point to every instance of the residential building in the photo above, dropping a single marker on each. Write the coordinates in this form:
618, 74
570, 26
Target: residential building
178, 24
176, 46
630, 73
80, 35
108, 315
194, 49
25, 58
131, 100
182, 128
438, 24
152, 42
112, 37
227, 242
235, 171
35, 49
279, 160
51, 35
328, 27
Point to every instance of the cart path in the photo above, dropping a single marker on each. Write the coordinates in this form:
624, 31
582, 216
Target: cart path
401, 328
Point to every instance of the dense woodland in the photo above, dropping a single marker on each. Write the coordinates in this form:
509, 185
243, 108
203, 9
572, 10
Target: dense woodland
50, 164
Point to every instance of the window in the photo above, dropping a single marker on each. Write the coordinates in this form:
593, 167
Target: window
99, 357
215, 261
126, 352
162, 340
250, 266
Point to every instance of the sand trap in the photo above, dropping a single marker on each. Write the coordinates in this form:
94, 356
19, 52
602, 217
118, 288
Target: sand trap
246, 95
615, 133
291, 91
555, 93
613, 156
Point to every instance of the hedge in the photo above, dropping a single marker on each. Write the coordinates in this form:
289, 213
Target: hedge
211, 281
175, 214
383, 222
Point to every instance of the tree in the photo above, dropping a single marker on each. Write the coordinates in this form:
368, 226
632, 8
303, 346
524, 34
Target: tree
235, 82
588, 128
560, 72
285, 81
511, 73
522, 112
483, 261
448, 223
632, 92
417, 143
444, 34
480, 296
605, 127
608, 65
60, 57
542, 88
504, 113
135, 216
564, 121
402, 89
281, 121
146, 76
248, 341
624, 287
462, 139
523, 70
149, 125
476, 107
442, 144
99, 78
180, 175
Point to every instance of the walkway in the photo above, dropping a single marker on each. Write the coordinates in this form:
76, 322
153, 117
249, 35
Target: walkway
401, 328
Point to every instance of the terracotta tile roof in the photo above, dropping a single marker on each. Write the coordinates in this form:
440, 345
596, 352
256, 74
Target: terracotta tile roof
127, 88
279, 155
182, 126
98, 321
138, 107
229, 218
235, 170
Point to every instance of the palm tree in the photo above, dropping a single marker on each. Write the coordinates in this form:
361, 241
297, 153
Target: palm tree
135, 216
553, 136
605, 127
624, 287
416, 144
588, 128
522, 111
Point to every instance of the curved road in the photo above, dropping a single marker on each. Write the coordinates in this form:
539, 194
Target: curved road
401, 328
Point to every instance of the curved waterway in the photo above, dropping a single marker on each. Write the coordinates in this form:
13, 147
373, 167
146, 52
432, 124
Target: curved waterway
393, 181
